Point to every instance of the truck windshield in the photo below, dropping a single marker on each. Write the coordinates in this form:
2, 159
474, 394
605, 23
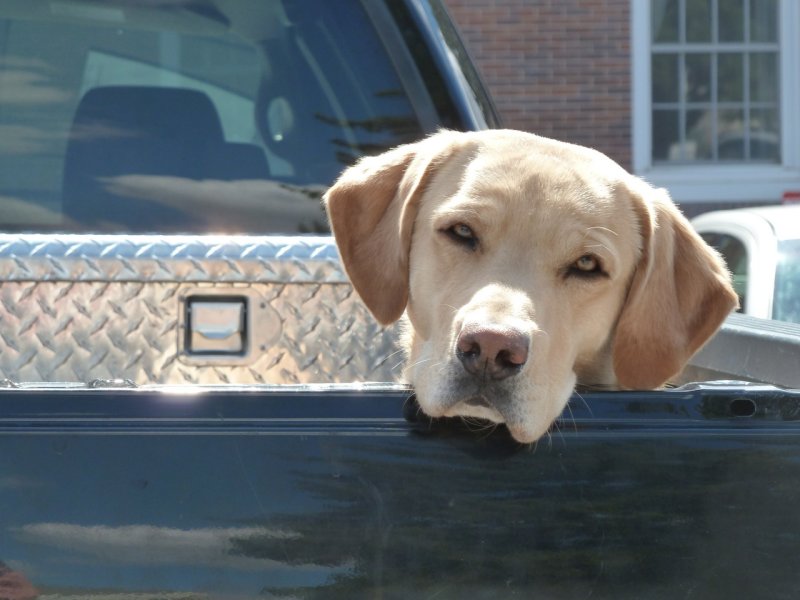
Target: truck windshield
786, 306
189, 117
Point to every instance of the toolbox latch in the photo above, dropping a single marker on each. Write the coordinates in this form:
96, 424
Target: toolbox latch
216, 325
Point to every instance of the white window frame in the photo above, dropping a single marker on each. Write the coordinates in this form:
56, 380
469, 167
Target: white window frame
704, 182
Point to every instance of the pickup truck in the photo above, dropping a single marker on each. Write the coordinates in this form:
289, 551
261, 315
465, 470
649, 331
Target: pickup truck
762, 249
185, 401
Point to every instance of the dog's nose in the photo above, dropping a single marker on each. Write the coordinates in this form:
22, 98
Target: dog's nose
492, 351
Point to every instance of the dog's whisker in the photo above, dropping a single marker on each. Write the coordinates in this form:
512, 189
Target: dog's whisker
480, 426
572, 417
557, 423
603, 246
418, 363
476, 424
585, 404
491, 429
577, 394
397, 366
395, 353
601, 228
442, 368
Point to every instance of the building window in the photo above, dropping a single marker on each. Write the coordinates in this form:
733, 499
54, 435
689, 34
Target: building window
715, 81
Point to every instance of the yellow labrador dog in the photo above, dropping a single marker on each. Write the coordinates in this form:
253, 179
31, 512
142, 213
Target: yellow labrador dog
525, 265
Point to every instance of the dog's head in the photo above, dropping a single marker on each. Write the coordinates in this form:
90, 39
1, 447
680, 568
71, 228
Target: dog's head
524, 265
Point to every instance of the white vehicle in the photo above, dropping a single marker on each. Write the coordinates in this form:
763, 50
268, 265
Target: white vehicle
762, 249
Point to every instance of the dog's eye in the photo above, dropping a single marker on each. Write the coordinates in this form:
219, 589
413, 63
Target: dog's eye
462, 234
587, 265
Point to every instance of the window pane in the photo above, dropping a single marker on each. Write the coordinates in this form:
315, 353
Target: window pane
730, 77
698, 77
764, 136
763, 21
169, 123
713, 82
665, 77
698, 20
665, 20
786, 304
764, 77
731, 20
698, 134
735, 255
731, 135
666, 135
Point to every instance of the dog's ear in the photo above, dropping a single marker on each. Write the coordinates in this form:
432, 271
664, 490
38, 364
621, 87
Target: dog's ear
372, 207
679, 295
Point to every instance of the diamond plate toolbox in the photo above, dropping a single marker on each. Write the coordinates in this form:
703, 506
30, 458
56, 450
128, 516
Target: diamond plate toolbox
76, 308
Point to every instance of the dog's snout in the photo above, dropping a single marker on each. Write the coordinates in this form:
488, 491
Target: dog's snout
493, 352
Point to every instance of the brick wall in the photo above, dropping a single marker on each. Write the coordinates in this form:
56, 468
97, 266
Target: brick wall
559, 68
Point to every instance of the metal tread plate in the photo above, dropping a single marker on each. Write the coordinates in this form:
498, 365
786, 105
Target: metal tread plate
77, 308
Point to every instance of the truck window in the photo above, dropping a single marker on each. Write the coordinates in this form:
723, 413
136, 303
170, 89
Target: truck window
786, 305
177, 118
735, 254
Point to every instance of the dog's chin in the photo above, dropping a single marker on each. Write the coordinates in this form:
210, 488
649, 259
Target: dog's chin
527, 412
528, 435
477, 407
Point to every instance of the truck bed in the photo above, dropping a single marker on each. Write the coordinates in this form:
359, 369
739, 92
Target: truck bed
329, 492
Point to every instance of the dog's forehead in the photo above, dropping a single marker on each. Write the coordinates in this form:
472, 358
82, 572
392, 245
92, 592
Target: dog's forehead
520, 174
542, 167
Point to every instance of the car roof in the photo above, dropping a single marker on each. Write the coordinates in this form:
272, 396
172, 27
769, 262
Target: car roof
783, 219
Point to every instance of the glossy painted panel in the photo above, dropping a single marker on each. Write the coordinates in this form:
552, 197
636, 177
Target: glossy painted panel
332, 494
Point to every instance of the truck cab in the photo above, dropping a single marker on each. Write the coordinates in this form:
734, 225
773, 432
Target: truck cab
762, 249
